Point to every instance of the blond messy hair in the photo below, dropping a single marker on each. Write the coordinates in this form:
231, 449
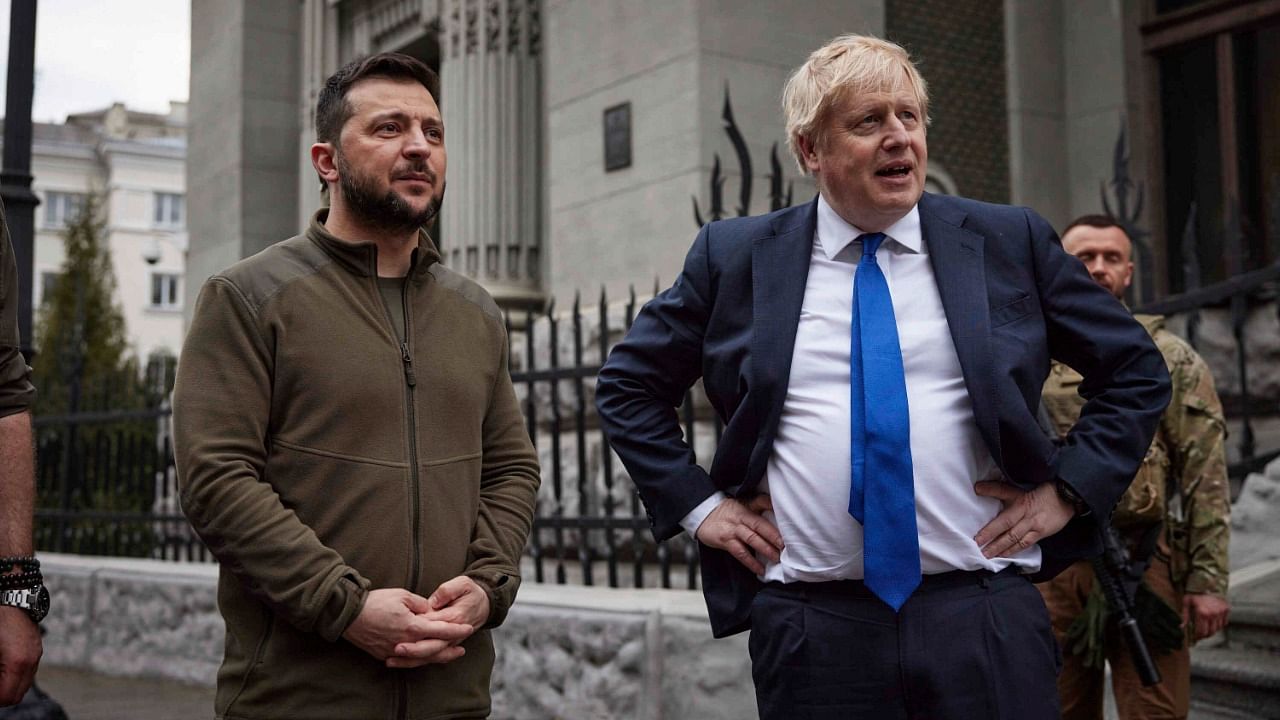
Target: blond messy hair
848, 65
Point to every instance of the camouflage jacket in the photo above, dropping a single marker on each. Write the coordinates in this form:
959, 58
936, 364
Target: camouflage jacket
1189, 448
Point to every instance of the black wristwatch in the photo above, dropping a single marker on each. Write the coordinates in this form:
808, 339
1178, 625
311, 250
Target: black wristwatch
1071, 497
33, 600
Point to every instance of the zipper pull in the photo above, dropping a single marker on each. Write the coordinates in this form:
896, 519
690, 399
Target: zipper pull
408, 365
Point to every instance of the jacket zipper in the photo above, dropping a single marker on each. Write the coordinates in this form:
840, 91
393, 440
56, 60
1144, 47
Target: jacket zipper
406, 357
410, 380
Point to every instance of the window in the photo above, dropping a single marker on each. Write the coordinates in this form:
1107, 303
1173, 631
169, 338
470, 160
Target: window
48, 285
169, 210
61, 208
1218, 144
165, 291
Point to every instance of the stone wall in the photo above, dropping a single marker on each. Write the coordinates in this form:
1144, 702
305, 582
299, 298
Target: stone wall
1255, 519
564, 651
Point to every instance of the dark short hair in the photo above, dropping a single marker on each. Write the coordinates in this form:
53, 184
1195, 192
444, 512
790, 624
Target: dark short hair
333, 110
1095, 221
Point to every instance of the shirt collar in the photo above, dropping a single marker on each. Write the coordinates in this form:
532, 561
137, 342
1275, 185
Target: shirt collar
834, 233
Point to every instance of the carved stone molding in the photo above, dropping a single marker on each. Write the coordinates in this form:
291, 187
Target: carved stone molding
392, 17
491, 89
490, 27
493, 25
473, 30
535, 29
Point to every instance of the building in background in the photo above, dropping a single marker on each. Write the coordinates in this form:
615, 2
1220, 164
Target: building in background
136, 163
579, 131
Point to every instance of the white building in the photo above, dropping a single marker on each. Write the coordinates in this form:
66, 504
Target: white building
136, 163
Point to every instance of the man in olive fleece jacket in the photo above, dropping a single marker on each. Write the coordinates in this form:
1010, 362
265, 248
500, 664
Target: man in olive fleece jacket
349, 443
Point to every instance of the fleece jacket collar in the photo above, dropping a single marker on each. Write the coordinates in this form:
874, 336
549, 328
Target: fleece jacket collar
361, 258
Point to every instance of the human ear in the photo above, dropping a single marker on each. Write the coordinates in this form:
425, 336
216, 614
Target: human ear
324, 161
809, 150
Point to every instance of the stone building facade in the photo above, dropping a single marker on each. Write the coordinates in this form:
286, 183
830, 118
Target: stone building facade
1028, 101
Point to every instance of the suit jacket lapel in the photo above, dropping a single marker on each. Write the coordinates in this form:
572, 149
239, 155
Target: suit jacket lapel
956, 255
779, 271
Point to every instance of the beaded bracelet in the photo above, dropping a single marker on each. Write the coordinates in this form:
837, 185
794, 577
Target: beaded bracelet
21, 581
27, 562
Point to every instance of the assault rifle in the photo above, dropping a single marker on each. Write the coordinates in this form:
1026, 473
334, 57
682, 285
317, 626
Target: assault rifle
1119, 580
1119, 583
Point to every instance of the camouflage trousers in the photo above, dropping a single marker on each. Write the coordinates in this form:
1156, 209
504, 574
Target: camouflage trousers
1080, 688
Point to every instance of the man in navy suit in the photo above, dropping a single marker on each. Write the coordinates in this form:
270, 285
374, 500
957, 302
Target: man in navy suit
882, 494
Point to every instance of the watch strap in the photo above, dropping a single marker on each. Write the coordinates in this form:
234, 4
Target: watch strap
33, 600
1071, 497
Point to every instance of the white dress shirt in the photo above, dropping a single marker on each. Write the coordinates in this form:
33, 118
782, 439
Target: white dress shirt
808, 475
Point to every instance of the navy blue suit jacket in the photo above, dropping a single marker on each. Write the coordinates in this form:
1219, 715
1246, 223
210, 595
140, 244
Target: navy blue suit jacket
1013, 300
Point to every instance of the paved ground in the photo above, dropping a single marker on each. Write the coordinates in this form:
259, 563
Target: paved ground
89, 696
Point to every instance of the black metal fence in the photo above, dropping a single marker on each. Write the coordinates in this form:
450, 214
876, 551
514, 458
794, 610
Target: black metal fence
107, 484
590, 527
104, 476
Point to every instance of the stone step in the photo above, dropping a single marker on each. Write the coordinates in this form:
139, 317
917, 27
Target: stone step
1254, 626
1243, 680
1209, 711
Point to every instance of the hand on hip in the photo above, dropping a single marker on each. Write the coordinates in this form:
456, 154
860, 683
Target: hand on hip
741, 530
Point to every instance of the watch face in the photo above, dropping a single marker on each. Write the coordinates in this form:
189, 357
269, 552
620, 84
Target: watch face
41, 607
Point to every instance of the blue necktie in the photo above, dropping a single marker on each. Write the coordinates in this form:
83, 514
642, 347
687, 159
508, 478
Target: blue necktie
882, 491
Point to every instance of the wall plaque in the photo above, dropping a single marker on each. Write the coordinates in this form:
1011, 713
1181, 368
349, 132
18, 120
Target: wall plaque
617, 137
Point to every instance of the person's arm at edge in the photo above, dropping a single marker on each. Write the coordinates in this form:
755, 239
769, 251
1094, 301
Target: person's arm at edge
20, 643
17, 484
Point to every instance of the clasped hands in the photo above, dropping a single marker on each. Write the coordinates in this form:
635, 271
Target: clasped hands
1026, 518
405, 630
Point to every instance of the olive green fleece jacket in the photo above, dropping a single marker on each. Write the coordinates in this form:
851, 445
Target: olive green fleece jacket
319, 458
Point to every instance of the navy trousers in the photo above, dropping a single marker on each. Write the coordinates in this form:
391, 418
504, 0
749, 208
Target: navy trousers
965, 646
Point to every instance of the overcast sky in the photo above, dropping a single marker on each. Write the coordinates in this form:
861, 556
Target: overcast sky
91, 53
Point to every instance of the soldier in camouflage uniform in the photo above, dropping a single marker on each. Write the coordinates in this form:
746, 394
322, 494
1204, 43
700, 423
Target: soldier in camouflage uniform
1181, 486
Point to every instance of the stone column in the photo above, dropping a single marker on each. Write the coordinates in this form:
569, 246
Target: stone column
1035, 101
320, 28
491, 98
242, 165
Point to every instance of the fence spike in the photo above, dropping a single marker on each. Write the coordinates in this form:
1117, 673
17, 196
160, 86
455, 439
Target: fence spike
744, 155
